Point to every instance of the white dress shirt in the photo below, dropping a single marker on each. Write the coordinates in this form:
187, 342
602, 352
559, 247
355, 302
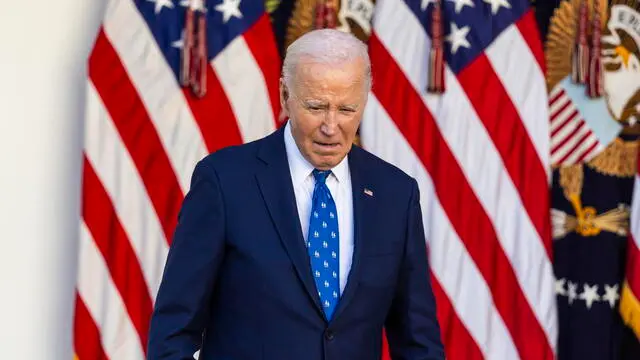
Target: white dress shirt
339, 184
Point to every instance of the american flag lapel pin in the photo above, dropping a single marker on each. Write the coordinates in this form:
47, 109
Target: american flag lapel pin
368, 192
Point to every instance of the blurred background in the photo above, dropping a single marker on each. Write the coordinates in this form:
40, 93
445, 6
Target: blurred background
519, 120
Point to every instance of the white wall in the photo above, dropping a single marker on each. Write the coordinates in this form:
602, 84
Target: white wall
44, 46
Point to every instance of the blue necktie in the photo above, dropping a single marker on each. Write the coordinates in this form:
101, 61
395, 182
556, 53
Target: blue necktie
323, 244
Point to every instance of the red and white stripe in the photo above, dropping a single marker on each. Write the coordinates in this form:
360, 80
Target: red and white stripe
143, 136
480, 154
572, 141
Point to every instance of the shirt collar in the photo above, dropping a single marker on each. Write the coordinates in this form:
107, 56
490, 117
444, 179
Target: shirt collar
300, 168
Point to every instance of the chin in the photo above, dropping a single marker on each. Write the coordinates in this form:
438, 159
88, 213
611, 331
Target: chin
326, 162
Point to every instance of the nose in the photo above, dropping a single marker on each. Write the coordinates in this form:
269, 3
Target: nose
330, 125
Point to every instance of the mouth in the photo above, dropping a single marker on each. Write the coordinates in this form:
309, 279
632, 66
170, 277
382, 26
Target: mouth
326, 146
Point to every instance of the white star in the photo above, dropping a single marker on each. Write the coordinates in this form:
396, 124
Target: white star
611, 294
458, 37
560, 287
229, 8
496, 4
573, 288
589, 294
180, 42
425, 4
161, 4
460, 4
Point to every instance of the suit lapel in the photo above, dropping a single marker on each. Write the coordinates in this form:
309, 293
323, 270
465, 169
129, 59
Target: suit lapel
361, 209
278, 194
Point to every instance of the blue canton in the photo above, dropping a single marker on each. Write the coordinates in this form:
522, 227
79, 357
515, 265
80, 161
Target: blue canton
323, 244
478, 22
166, 19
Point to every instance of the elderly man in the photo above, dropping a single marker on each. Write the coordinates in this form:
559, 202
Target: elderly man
300, 245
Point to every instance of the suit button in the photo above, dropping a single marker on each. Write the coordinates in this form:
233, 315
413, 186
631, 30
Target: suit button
329, 335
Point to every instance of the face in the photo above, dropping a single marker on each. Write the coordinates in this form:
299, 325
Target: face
325, 107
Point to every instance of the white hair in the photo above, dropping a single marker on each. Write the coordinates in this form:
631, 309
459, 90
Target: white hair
328, 46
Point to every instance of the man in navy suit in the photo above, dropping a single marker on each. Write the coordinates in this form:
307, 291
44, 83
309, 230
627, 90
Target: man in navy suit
299, 245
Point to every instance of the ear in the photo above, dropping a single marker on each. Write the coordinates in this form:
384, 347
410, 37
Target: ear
284, 97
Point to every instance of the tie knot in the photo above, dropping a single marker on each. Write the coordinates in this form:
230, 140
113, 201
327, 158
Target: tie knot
321, 175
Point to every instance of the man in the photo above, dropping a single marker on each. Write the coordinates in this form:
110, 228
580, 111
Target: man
300, 246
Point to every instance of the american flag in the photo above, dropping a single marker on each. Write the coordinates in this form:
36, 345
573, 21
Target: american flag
144, 135
480, 153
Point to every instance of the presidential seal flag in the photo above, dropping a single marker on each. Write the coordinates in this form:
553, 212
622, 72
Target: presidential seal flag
581, 124
595, 140
625, 22
478, 146
169, 82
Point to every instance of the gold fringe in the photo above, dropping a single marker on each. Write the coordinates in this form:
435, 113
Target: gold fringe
619, 159
301, 20
562, 32
630, 309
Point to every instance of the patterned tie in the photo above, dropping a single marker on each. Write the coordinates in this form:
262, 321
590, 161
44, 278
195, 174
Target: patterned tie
323, 244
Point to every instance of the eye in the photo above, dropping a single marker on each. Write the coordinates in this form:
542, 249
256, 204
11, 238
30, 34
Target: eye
314, 107
347, 110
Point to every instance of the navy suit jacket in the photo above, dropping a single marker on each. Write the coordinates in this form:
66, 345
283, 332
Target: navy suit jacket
238, 283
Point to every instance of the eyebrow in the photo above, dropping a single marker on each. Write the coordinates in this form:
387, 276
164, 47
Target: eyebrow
315, 103
324, 105
349, 106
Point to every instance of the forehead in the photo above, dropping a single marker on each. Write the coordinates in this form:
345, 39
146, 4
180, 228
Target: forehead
347, 76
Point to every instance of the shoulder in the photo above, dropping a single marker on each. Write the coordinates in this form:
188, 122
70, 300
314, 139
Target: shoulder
234, 160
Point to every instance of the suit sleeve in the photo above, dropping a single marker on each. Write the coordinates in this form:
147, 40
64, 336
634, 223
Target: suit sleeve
411, 326
182, 306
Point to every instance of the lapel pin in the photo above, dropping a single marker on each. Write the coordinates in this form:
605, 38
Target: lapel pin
368, 192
